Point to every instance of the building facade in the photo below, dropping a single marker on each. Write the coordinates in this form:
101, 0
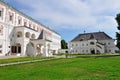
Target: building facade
22, 35
92, 43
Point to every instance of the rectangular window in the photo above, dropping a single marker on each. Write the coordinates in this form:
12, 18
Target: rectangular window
0, 46
1, 30
0, 13
11, 18
82, 44
83, 51
30, 25
25, 23
76, 44
0, 51
109, 43
72, 44
19, 21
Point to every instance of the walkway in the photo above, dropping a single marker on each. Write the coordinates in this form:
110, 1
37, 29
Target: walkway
24, 62
7, 57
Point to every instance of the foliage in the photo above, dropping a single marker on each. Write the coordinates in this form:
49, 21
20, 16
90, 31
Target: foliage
65, 69
117, 34
118, 21
64, 44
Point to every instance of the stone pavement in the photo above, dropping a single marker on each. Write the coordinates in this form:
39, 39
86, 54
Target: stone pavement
7, 57
24, 62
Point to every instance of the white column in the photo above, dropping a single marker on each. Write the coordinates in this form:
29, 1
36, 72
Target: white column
45, 52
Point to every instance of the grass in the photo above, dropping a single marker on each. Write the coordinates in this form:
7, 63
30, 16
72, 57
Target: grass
101, 68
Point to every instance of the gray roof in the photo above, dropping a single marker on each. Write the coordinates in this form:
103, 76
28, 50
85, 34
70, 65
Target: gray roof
42, 35
90, 36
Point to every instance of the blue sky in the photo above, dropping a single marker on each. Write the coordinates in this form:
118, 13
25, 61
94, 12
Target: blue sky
71, 17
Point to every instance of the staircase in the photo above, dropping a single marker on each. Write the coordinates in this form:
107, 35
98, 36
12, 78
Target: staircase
100, 47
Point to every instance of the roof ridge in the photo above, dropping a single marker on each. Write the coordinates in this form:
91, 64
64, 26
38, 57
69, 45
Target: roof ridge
93, 35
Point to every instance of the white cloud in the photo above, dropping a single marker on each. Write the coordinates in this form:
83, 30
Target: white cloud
74, 14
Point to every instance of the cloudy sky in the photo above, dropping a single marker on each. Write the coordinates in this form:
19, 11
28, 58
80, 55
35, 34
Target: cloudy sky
71, 17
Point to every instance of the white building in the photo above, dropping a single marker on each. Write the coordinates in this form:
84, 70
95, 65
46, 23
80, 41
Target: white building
22, 35
87, 43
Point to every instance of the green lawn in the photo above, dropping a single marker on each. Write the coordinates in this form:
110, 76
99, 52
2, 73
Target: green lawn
106, 68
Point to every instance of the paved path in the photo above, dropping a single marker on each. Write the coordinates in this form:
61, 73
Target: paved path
7, 57
30, 61
23, 62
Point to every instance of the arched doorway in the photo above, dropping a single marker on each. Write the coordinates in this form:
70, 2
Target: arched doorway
38, 46
92, 51
16, 49
30, 49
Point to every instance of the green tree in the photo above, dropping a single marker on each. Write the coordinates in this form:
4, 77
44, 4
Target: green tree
64, 44
118, 27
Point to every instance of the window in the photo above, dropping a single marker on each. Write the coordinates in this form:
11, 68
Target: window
109, 51
1, 30
92, 43
0, 51
33, 36
76, 51
87, 51
82, 44
19, 21
19, 34
0, 13
104, 43
0, 46
33, 27
11, 17
25, 23
72, 44
27, 35
109, 43
29, 25
83, 51
76, 44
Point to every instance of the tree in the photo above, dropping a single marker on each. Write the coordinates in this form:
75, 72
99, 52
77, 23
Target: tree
118, 27
64, 44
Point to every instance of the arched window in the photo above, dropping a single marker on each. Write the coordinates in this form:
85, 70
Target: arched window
27, 35
33, 36
19, 34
